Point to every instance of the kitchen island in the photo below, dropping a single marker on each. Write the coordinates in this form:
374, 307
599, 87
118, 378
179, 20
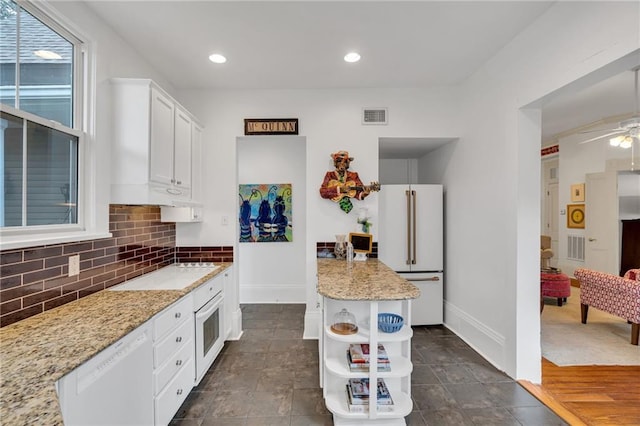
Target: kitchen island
365, 289
36, 352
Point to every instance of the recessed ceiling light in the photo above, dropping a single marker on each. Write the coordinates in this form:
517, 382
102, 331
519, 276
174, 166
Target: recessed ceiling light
352, 57
217, 58
47, 54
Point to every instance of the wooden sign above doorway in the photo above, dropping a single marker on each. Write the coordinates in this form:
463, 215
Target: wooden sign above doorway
270, 126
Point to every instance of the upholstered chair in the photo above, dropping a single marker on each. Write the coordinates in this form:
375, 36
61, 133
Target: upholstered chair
619, 296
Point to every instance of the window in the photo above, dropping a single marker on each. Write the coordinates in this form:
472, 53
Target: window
41, 86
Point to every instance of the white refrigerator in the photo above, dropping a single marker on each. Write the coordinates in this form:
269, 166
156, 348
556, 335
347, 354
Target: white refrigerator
410, 241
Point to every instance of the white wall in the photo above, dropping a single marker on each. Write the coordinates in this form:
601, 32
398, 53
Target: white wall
330, 121
274, 272
113, 58
493, 176
398, 171
576, 160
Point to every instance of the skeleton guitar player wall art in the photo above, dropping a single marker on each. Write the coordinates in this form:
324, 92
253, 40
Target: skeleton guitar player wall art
340, 185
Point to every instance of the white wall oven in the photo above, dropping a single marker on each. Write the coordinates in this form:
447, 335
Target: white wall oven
209, 323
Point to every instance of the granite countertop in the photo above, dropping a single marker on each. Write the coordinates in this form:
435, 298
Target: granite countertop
362, 280
37, 351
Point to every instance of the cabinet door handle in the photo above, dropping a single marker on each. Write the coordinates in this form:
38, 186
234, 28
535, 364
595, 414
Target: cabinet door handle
179, 362
173, 180
179, 182
179, 392
178, 315
178, 339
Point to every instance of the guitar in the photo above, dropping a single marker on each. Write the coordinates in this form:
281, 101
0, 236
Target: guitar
353, 188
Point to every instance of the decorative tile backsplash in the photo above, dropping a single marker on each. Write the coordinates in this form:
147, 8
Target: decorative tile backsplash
36, 279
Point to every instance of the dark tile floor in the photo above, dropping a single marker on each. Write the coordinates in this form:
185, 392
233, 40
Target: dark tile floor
270, 377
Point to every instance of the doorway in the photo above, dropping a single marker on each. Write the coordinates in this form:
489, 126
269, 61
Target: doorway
273, 271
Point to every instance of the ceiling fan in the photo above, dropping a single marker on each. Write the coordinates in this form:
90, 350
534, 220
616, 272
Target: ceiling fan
628, 131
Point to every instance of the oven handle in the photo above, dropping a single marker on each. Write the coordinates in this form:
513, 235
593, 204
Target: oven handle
211, 306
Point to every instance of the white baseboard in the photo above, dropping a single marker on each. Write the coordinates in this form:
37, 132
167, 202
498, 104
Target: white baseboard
272, 294
484, 340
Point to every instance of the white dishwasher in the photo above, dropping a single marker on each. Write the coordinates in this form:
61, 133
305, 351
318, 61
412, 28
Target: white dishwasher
114, 387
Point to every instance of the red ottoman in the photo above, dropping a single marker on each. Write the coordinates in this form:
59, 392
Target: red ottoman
555, 285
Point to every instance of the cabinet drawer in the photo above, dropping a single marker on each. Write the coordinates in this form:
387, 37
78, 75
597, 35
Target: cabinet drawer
176, 361
207, 291
173, 316
169, 400
175, 341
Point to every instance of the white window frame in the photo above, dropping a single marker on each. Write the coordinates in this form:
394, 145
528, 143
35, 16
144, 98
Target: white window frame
84, 89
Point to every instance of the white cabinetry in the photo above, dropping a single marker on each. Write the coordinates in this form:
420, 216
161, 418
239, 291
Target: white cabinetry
335, 369
113, 387
196, 162
173, 358
152, 145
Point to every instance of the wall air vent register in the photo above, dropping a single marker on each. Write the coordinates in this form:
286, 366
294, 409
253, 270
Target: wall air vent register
377, 116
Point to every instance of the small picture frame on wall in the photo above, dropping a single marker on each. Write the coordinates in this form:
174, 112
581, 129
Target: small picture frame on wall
577, 192
575, 216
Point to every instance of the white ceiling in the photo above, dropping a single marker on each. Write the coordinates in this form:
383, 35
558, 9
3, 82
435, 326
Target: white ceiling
300, 44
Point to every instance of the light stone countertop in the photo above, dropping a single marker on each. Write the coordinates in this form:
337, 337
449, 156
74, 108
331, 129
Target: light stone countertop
362, 280
37, 351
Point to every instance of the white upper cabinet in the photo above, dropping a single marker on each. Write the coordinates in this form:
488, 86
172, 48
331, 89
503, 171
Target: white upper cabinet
196, 162
182, 149
152, 145
162, 136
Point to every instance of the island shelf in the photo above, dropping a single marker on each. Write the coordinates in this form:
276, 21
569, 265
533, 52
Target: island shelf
365, 289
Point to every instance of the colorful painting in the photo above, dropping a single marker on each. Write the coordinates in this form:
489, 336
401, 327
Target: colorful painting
265, 213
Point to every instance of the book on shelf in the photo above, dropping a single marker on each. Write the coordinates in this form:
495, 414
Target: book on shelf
359, 390
360, 353
363, 367
358, 399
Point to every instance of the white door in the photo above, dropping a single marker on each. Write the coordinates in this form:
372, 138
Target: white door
551, 206
394, 232
406, 245
182, 149
162, 136
551, 219
428, 251
428, 309
601, 222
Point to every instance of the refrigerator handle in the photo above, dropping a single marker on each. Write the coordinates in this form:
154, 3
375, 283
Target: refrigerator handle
408, 194
425, 279
413, 259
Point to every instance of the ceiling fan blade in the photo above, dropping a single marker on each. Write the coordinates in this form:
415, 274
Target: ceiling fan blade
602, 136
602, 130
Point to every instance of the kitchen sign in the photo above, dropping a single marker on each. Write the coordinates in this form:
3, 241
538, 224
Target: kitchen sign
270, 126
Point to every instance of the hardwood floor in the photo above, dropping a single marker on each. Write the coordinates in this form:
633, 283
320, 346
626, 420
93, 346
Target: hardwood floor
590, 395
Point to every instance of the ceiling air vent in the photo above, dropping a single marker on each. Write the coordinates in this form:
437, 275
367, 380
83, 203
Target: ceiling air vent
374, 115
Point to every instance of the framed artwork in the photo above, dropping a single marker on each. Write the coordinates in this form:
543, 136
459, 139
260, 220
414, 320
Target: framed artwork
265, 213
577, 192
575, 216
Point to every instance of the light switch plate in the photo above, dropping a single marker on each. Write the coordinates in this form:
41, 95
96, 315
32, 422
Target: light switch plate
74, 265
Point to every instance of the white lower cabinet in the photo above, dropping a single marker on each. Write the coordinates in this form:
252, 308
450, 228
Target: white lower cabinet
335, 370
173, 358
113, 387
167, 402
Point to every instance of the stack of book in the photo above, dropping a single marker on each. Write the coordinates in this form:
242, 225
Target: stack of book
358, 396
358, 357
